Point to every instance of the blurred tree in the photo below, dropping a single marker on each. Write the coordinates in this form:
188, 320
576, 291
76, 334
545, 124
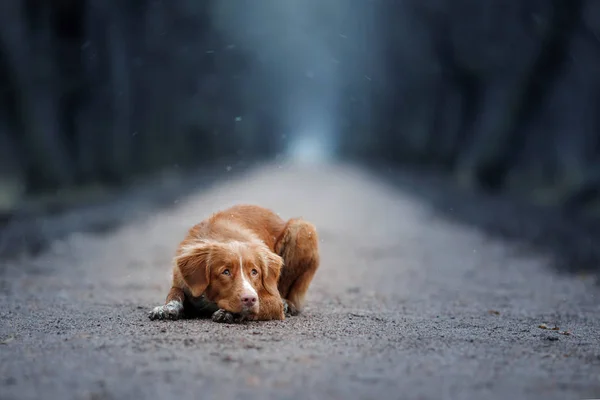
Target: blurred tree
501, 94
103, 90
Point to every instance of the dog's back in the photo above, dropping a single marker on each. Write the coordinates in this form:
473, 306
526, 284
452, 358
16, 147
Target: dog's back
247, 223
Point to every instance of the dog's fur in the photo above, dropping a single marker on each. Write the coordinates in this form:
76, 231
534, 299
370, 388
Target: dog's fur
242, 263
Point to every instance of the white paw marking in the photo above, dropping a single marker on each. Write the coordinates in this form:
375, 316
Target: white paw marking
227, 317
171, 310
222, 316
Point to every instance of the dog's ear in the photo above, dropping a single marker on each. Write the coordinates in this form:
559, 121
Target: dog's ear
271, 270
194, 262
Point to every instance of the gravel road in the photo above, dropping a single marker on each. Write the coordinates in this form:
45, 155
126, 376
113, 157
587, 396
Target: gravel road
405, 305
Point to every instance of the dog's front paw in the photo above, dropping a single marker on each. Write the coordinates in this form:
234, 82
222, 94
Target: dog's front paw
289, 309
173, 310
223, 316
227, 317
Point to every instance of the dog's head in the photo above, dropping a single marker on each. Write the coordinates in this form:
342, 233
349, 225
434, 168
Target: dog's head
231, 274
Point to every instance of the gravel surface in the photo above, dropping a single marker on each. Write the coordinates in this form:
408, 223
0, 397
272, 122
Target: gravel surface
405, 305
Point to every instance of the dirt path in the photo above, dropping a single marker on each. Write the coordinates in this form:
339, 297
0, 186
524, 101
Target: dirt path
405, 305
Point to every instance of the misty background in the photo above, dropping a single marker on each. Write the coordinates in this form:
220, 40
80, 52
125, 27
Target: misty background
498, 96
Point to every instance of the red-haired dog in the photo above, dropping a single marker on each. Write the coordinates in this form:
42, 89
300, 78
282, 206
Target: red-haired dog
243, 263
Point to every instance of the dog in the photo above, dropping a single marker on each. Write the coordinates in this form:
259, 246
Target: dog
244, 263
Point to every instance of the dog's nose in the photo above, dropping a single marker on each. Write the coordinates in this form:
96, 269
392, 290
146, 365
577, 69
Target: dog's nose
248, 300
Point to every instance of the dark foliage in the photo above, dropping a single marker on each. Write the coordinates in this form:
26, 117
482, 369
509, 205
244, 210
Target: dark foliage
501, 94
97, 91
504, 95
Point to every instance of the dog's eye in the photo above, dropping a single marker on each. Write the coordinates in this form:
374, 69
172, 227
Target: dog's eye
254, 272
226, 272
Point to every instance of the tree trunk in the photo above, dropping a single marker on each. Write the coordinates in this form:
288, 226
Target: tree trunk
34, 79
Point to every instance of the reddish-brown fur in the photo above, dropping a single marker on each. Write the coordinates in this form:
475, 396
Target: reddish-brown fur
278, 258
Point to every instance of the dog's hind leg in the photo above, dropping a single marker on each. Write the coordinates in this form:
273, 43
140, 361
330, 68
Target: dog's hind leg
298, 245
